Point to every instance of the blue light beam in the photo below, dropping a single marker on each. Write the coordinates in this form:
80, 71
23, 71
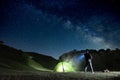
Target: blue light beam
81, 57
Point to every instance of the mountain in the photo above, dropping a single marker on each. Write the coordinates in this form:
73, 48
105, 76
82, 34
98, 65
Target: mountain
13, 59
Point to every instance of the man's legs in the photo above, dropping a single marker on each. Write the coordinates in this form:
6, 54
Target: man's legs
91, 66
86, 66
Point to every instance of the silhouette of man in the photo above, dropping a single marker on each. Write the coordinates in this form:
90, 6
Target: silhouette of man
88, 60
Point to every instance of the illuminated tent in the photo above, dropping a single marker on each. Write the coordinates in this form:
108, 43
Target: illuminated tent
64, 67
73, 64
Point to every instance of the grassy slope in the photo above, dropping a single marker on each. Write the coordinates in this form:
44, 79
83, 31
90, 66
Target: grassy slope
13, 59
36, 65
45, 61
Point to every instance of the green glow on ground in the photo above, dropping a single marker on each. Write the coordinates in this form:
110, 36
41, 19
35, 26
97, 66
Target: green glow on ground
64, 67
36, 65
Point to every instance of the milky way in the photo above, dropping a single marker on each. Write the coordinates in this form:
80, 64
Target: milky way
53, 27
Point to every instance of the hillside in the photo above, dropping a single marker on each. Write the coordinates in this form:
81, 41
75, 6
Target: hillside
102, 59
13, 59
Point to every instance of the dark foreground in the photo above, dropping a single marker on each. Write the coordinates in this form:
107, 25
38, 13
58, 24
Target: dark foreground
60, 76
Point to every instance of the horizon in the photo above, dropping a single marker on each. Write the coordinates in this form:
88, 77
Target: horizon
59, 55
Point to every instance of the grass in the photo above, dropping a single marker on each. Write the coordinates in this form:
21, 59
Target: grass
36, 65
59, 76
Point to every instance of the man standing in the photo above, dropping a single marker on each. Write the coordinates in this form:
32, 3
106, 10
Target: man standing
88, 59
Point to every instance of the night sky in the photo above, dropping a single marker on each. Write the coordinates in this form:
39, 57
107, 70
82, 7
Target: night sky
53, 27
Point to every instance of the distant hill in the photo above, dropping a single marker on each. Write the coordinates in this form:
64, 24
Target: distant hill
102, 59
13, 59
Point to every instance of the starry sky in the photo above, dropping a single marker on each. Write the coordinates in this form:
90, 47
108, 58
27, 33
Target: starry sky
53, 27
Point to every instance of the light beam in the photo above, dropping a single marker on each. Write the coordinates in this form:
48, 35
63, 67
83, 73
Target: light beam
81, 57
